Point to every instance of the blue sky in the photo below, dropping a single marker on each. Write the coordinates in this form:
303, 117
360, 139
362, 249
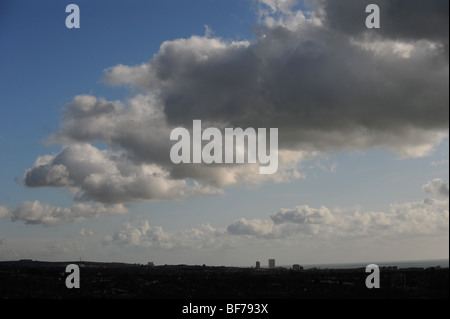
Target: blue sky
367, 178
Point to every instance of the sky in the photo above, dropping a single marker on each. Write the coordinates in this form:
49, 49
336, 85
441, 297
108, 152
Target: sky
86, 116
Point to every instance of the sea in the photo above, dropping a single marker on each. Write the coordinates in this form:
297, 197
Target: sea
399, 264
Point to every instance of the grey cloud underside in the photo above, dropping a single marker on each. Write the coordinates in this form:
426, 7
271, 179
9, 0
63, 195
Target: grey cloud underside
108, 177
325, 85
400, 19
437, 187
318, 87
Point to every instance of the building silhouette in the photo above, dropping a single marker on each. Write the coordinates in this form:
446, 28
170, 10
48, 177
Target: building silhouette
258, 265
271, 263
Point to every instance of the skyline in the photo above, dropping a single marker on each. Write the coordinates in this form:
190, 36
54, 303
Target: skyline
362, 119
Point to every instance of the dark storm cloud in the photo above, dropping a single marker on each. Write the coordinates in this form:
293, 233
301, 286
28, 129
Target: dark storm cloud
320, 88
400, 19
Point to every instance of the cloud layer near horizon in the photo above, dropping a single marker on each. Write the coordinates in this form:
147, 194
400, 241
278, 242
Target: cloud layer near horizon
38, 213
422, 218
327, 85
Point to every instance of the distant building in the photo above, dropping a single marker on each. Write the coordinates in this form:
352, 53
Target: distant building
297, 267
258, 265
271, 263
151, 264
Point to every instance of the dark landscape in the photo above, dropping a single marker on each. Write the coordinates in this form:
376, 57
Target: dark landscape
27, 279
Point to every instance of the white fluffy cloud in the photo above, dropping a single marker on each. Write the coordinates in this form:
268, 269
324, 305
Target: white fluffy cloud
36, 212
284, 6
143, 235
429, 217
109, 177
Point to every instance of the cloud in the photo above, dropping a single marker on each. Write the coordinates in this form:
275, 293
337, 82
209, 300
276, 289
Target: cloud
107, 176
254, 227
428, 218
325, 83
283, 6
143, 235
83, 232
412, 20
4, 212
303, 215
34, 213
437, 188
317, 86
440, 163
413, 219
